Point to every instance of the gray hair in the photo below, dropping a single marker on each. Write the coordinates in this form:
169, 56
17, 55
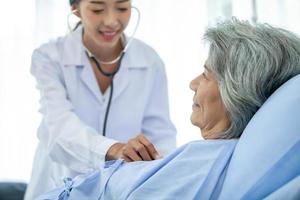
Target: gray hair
250, 62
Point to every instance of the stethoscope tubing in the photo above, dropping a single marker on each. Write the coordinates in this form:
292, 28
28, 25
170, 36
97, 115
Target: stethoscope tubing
111, 76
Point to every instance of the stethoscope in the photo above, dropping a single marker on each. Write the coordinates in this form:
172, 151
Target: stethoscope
111, 75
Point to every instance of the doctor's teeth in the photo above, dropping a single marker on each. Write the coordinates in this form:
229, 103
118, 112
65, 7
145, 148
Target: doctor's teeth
109, 33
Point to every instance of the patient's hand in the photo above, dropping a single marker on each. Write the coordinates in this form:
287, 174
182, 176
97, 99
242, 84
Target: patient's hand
137, 149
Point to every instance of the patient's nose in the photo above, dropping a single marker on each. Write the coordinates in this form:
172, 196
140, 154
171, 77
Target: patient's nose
194, 84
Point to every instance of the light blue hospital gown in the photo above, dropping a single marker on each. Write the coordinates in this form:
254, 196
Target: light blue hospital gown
193, 171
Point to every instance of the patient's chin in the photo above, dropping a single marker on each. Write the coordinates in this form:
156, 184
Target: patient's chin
195, 120
192, 119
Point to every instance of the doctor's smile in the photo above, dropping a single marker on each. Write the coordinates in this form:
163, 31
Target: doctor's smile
109, 36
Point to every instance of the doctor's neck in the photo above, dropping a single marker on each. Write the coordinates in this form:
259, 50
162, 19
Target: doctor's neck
104, 53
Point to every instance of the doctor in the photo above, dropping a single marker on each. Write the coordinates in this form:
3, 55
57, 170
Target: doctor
103, 96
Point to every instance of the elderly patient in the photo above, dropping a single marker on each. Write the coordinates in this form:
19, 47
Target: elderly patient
245, 65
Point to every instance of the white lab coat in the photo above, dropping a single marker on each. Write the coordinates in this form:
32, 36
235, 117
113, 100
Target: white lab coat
73, 109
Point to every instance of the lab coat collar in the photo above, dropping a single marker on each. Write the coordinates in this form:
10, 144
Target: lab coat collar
74, 46
74, 52
121, 78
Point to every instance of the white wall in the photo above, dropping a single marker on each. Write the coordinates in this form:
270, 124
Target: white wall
18, 106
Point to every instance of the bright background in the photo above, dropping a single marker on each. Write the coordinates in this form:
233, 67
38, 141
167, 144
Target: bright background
173, 27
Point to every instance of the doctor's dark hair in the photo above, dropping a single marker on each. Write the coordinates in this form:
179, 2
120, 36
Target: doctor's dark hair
250, 62
73, 2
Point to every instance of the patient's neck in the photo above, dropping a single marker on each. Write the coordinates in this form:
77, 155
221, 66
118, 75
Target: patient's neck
214, 131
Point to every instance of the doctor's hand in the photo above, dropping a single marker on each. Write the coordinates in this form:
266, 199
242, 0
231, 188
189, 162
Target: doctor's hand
137, 149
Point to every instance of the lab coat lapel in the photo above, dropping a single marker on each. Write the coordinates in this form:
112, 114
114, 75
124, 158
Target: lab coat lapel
73, 46
132, 60
121, 81
87, 76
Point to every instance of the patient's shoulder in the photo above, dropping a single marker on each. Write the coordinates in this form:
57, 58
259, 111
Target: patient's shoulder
203, 149
211, 145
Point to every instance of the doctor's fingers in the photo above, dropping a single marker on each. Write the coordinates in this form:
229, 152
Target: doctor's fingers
129, 152
150, 147
124, 157
140, 148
